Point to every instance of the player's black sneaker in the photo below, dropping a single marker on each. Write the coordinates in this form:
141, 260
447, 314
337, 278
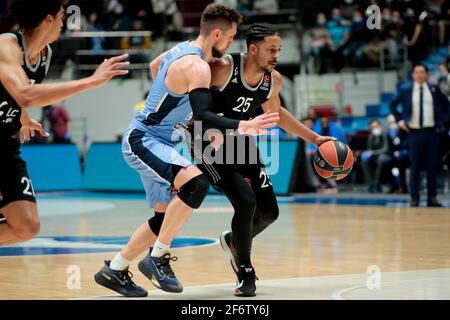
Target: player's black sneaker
119, 281
228, 246
160, 273
2, 218
245, 284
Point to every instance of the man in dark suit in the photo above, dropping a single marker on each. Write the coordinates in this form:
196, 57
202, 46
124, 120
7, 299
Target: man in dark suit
424, 111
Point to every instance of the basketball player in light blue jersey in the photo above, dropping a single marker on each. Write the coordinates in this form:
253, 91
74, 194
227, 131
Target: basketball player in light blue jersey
180, 93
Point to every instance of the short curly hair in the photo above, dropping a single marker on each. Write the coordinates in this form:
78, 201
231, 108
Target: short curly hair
218, 16
30, 13
257, 33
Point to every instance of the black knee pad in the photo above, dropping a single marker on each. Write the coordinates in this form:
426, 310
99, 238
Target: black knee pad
194, 191
155, 222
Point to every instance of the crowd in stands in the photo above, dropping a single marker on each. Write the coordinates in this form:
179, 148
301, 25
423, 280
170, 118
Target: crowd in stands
339, 37
336, 36
381, 151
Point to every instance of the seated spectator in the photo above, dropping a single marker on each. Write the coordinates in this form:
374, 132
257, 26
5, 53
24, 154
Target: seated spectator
442, 11
57, 120
359, 37
373, 159
347, 8
391, 36
339, 30
320, 45
137, 42
97, 43
395, 167
444, 79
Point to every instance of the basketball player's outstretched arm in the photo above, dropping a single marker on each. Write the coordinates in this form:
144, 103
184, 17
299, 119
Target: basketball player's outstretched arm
198, 76
287, 121
29, 127
27, 95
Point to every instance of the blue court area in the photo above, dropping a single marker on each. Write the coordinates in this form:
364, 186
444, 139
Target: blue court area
85, 244
92, 222
347, 198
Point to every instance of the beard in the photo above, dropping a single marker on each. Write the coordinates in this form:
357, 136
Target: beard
269, 67
216, 53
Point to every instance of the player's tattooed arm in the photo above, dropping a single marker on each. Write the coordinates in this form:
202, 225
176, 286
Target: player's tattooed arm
287, 121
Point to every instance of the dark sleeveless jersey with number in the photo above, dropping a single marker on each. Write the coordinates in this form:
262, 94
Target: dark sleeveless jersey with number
10, 111
238, 100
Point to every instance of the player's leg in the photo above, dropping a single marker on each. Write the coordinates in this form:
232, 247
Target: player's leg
17, 202
237, 244
154, 174
163, 169
267, 210
192, 188
21, 222
243, 200
145, 236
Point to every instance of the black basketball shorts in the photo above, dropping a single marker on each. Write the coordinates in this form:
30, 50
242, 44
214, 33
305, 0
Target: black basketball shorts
15, 184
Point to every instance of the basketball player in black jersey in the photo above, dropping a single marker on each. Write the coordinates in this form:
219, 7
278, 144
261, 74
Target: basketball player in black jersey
24, 62
245, 85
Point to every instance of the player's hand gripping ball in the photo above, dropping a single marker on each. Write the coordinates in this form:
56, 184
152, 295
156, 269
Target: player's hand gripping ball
333, 160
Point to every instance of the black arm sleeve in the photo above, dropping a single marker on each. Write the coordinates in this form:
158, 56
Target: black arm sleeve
201, 104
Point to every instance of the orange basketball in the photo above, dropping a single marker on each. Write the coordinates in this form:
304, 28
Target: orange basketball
333, 160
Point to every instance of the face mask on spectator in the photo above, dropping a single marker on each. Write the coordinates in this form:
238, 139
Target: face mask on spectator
118, 9
357, 19
321, 22
376, 131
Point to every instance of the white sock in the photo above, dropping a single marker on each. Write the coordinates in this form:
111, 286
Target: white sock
119, 263
159, 249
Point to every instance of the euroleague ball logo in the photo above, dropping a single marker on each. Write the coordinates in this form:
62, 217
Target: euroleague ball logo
321, 163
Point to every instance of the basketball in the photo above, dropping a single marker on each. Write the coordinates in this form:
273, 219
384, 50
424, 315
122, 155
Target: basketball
333, 160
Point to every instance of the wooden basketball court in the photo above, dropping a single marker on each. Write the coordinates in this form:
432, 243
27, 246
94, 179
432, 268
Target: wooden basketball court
314, 251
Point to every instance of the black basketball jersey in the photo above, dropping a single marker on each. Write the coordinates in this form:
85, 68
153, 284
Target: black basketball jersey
238, 100
10, 111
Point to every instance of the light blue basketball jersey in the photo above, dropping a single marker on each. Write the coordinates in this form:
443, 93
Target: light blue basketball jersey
165, 112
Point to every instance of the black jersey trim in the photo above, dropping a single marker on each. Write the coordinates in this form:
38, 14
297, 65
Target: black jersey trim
244, 83
271, 86
230, 75
49, 58
25, 50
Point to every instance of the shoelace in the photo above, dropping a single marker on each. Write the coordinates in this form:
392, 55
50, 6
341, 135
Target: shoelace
164, 264
250, 275
126, 276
